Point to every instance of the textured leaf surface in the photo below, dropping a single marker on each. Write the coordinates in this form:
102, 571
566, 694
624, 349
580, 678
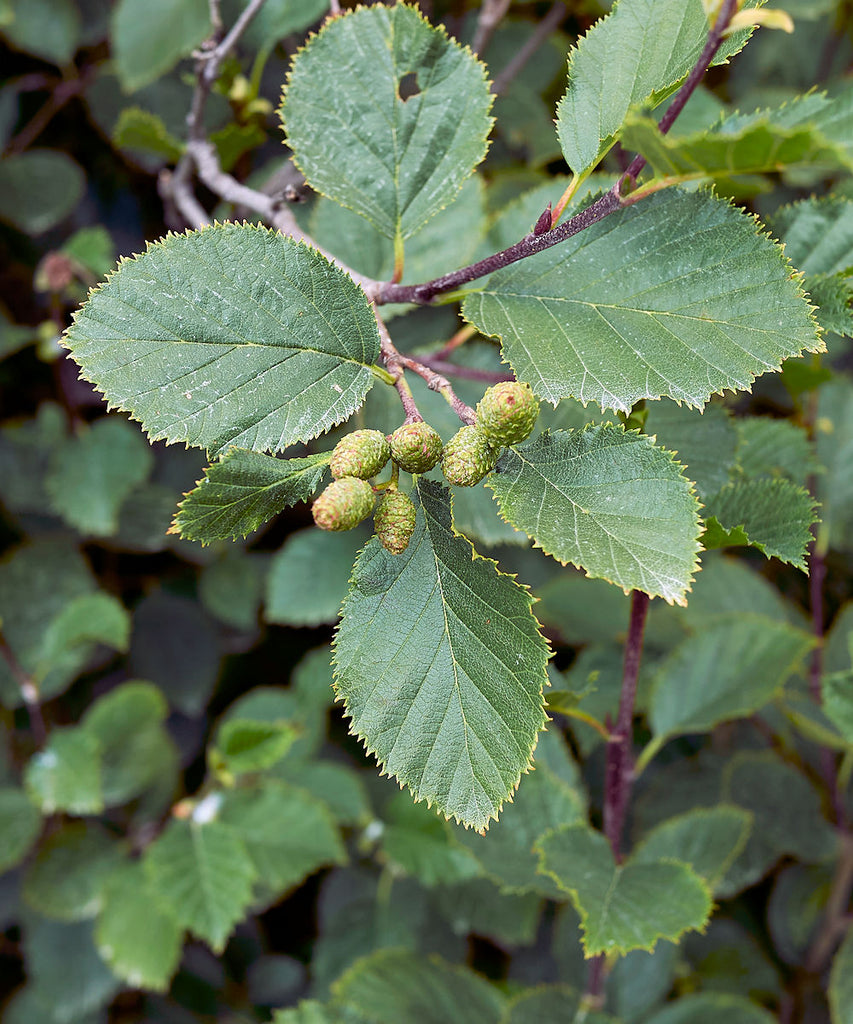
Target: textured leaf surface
841, 983
818, 234
728, 670
711, 1008
553, 1004
775, 516
393, 986
66, 774
288, 833
639, 53
145, 47
623, 907
771, 447
139, 940
678, 296
203, 874
708, 839
704, 442
243, 745
361, 136
440, 665
234, 335
243, 490
608, 501
20, 824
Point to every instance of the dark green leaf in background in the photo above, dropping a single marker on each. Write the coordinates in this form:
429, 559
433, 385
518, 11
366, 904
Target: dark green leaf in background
440, 665
38, 189
234, 335
20, 824
66, 774
841, 982
150, 36
49, 29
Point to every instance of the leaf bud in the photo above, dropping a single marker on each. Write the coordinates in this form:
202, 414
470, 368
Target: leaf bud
395, 521
468, 456
343, 504
362, 453
416, 447
507, 412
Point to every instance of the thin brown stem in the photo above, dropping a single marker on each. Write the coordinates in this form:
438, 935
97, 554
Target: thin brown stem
464, 372
438, 382
620, 763
394, 364
835, 918
491, 13
550, 23
64, 91
28, 688
459, 338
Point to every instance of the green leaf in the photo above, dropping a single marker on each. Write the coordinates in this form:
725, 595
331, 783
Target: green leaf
704, 441
639, 53
627, 906
279, 18
245, 746
727, 586
338, 786
608, 501
20, 825
66, 878
66, 774
774, 516
834, 435
288, 834
49, 29
707, 839
841, 982
202, 873
543, 802
752, 144
818, 234
553, 1004
39, 189
396, 161
140, 941
91, 618
243, 490
440, 665
711, 1008
140, 130
837, 692
231, 588
797, 907
480, 907
677, 296
768, 447
145, 47
728, 670
127, 724
393, 986
309, 1011
325, 557
233, 335
92, 249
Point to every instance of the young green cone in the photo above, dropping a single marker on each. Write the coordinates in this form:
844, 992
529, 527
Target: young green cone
343, 504
416, 447
468, 456
507, 412
362, 453
395, 521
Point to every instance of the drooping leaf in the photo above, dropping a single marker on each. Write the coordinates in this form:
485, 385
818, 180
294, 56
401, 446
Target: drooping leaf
202, 873
728, 670
243, 490
233, 335
287, 833
704, 441
708, 840
138, 938
774, 516
66, 774
677, 296
626, 906
128, 726
140, 130
146, 47
841, 982
796, 908
399, 127
392, 986
20, 824
66, 879
38, 189
711, 1008
608, 501
639, 53
440, 665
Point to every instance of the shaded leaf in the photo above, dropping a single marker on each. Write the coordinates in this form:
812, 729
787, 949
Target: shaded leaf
20, 825
38, 189
841, 982
608, 501
401, 124
704, 442
768, 447
233, 335
553, 1004
440, 665
818, 233
834, 436
243, 490
66, 774
711, 1008
88, 619
49, 29
141, 130
243, 745
678, 296
145, 47
627, 906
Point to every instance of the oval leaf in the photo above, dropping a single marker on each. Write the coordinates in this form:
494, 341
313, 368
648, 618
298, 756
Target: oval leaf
606, 500
440, 665
233, 335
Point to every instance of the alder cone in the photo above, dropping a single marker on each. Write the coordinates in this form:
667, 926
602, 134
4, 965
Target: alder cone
507, 412
468, 456
344, 504
416, 447
395, 521
362, 453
